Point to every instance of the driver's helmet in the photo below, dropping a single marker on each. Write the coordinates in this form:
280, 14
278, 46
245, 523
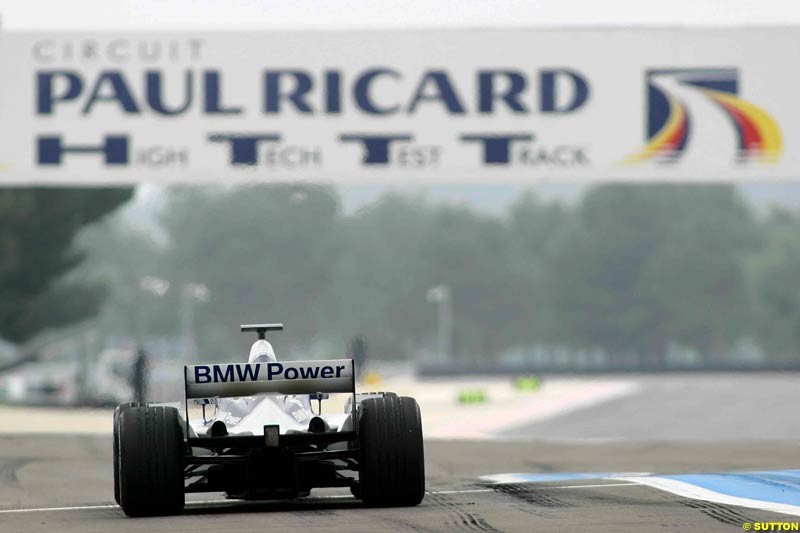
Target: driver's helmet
261, 352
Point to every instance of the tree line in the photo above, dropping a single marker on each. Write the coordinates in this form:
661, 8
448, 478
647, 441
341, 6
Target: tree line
630, 271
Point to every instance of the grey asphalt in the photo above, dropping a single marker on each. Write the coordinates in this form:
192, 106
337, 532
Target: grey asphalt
73, 473
711, 407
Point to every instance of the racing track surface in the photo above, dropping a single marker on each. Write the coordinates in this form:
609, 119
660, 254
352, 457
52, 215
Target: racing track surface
73, 474
686, 407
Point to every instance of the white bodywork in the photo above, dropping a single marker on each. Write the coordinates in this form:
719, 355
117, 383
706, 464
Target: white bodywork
247, 415
261, 352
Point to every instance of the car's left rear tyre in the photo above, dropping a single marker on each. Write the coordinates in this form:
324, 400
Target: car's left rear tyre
121, 407
151, 461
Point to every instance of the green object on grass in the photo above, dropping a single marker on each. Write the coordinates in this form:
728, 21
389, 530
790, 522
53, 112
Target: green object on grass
471, 396
527, 383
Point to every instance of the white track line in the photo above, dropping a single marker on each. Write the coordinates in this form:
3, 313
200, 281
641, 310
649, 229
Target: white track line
192, 504
694, 492
606, 485
56, 509
465, 491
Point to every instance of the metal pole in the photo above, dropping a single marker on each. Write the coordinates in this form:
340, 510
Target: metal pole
446, 324
444, 320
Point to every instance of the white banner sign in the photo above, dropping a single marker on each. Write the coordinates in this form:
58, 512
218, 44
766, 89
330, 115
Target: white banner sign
401, 106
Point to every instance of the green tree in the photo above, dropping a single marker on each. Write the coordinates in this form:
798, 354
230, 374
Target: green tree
37, 226
119, 257
644, 266
536, 229
472, 254
774, 273
402, 245
266, 252
380, 288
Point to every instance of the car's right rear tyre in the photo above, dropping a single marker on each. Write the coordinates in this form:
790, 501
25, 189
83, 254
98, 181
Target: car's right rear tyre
392, 467
151, 452
385, 394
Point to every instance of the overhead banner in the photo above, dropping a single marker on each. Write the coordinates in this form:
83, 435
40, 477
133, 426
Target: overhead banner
401, 106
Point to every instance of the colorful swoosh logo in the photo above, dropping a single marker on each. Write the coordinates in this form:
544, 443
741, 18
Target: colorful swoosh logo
759, 135
671, 139
669, 127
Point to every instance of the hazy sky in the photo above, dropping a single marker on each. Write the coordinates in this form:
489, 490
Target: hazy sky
333, 14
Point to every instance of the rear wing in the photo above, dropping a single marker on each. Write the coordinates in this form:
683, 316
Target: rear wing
247, 379
290, 377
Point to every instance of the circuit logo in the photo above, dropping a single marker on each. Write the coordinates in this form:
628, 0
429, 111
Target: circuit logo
678, 100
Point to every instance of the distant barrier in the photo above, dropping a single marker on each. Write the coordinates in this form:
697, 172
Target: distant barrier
513, 370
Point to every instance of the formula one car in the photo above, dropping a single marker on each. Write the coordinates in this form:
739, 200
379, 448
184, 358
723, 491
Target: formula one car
260, 438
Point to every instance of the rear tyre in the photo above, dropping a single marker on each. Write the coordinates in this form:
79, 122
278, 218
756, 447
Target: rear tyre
151, 450
121, 407
392, 469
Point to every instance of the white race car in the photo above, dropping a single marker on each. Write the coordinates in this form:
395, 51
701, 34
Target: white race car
260, 438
